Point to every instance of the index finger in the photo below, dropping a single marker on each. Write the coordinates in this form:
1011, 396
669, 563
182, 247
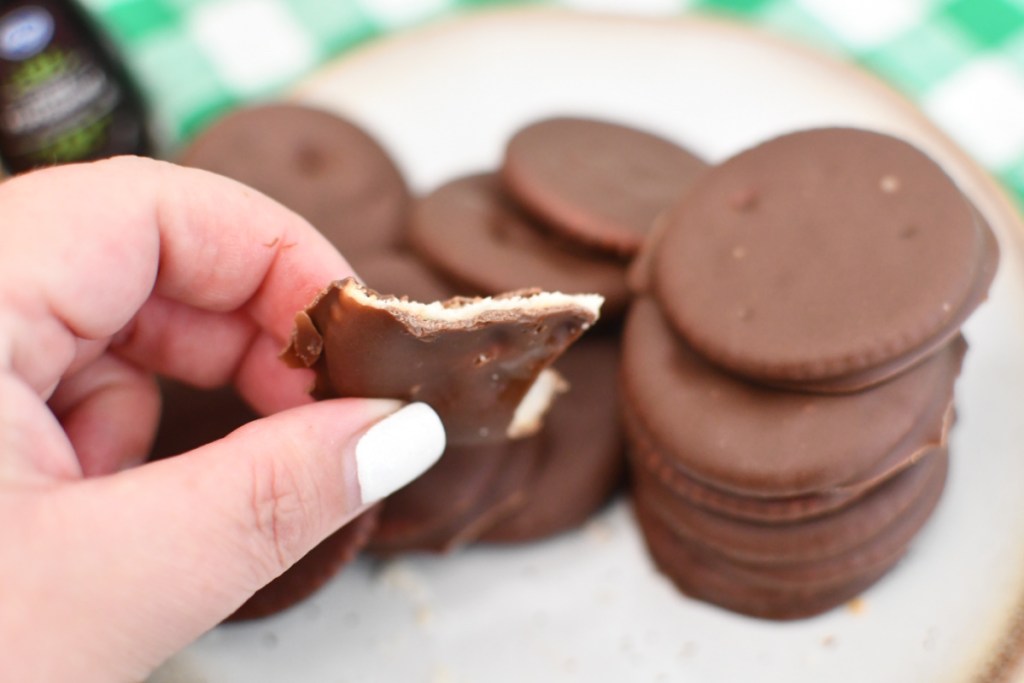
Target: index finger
84, 246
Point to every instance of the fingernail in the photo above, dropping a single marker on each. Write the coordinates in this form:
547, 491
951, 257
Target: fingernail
398, 449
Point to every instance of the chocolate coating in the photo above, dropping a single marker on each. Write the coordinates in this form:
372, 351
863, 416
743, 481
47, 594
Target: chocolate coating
473, 373
701, 578
322, 166
803, 541
470, 231
507, 495
648, 459
403, 274
583, 460
416, 514
884, 546
580, 449
828, 259
453, 499
756, 441
597, 182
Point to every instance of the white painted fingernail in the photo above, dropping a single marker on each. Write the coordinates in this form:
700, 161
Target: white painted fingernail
398, 449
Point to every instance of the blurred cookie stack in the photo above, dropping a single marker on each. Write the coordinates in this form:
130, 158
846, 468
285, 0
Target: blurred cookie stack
788, 369
567, 209
469, 237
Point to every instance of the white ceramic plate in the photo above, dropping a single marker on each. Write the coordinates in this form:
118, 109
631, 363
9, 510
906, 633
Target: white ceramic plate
588, 606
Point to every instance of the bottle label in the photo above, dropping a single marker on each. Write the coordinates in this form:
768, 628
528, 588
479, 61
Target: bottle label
25, 32
58, 101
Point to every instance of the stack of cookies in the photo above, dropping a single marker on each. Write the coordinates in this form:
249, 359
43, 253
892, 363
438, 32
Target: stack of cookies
471, 239
569, 206
788, 368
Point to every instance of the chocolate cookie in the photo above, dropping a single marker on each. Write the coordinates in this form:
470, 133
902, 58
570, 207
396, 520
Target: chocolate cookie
482, 364
471, 485
582, 460
649, 460
507, 495
508, 491
470, 231
402, 274
759, 442
597, 182
804, 541
827, 260
700, 577
323, 167
878, 553
456, 497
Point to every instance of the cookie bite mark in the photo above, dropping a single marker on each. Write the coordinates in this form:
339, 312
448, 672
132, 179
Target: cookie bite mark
481, 363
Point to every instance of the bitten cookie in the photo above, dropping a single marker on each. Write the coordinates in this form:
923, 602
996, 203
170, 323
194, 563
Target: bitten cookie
481, 363
509, 491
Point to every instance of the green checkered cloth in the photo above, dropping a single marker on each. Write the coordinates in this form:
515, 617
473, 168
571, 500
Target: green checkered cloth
962, 61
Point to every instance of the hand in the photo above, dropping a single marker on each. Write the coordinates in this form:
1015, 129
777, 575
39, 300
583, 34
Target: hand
115, 270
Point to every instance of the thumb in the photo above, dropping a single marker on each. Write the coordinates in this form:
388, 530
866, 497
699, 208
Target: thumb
171, 548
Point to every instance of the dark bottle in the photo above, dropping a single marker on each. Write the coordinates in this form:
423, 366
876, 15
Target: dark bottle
64, 96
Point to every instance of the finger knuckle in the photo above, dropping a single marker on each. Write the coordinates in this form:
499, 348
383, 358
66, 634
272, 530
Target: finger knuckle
284, 510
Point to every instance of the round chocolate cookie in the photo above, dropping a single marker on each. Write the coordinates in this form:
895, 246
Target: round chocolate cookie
472, 233
648, 462
443, 507
507, 496
701, 578
597, 182
826, 260
810, 540
401, 274
759, 442
583, 453
323, 167
882, 549
192, 417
